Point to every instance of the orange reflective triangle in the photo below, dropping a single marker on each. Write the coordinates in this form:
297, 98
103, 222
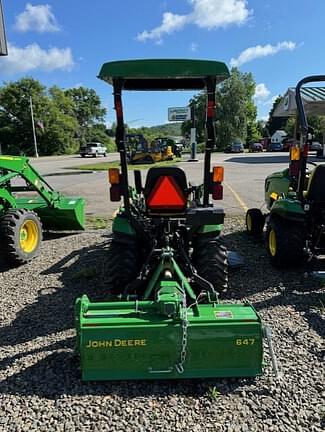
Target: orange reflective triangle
166, 195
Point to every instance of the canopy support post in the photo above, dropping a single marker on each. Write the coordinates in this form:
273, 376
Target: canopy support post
210, 136
120, 141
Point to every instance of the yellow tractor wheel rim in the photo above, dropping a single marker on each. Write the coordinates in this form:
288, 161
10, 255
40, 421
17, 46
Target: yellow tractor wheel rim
272, 243
249, 222
29, 236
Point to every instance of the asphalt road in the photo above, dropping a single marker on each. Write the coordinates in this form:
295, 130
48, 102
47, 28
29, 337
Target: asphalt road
243, 186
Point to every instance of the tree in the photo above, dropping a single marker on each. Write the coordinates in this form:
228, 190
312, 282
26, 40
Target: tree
87, 109
98, 133
235, 112
53, 115
235, 108
275, 123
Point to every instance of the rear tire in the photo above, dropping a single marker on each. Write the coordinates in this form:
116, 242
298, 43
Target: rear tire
210, 258
122, 265
20, 236
285, 242
254, 222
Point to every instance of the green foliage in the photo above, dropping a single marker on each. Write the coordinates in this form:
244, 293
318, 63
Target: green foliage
97, 133
235, 111
318, 124
232, 104
96, 222
63, 118
152, 132
87, 109
213, 393
275, 123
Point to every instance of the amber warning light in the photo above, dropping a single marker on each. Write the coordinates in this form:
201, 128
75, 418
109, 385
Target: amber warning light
166, 195
114, 176
217, 179
114, 179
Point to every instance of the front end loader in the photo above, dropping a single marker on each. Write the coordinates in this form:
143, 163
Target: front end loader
167, 264
23, 216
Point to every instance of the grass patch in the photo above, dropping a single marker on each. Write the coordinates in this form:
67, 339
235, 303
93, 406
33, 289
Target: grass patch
97, 222
213, 393
104, 166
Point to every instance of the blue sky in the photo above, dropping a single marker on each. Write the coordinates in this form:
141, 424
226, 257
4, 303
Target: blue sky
65, 42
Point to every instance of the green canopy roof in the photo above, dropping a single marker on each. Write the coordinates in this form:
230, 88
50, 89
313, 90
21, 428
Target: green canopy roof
163, 74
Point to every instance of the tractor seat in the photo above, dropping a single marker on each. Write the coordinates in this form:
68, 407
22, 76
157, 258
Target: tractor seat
316, 186
175, 178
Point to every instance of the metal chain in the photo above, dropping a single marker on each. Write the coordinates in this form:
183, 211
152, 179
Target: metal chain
180, 365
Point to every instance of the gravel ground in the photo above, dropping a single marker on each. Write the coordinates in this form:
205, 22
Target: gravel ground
40, 389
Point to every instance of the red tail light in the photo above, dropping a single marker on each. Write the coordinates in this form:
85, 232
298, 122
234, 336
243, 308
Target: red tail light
217, 191
166, 195
115, 192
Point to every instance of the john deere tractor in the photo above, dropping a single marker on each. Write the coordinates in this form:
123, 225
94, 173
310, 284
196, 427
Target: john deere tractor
295, 197
24, 216
167, 265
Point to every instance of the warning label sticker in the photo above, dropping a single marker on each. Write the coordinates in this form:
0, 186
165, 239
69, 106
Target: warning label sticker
223, 314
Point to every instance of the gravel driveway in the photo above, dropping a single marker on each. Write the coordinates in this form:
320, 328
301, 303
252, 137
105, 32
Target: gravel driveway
40, 388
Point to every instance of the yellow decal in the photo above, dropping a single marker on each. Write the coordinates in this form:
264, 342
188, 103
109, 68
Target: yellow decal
7, 158
274, 196
116, 343
242, 342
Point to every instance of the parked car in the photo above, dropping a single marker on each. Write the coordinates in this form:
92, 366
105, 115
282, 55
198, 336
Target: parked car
236, 147
315, 145
256, 147
93, 149
275, 146
287, 143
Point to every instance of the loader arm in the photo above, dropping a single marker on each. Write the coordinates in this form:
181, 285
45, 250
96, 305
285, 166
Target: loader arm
13, 167
55, 210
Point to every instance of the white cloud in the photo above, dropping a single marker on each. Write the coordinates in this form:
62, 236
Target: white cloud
194, 46
258, 51
170, 23
38, 18
270, 101
219, 13
33, 57
261, 92
208, 14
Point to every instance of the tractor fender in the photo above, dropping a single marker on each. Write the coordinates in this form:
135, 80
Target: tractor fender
210, 229
121, 225
276, 183
288, 209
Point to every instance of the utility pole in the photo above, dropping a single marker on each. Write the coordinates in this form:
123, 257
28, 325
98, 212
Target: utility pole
193, 157
3, 40
33, 125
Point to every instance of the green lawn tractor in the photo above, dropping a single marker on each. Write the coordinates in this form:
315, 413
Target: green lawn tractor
295, 197
166, 264
24, 216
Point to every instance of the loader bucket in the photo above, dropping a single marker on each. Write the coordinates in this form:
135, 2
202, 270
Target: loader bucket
67, 213
131, 340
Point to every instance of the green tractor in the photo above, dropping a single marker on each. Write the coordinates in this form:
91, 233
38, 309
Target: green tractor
295, 197
166, 263
24, 216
